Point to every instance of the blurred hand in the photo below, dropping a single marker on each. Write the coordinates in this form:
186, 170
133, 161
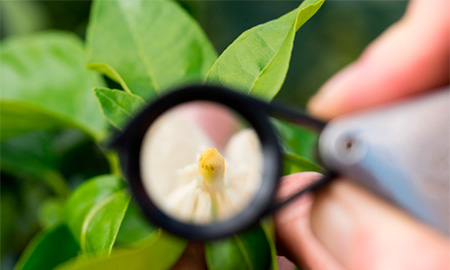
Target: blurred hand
343, 226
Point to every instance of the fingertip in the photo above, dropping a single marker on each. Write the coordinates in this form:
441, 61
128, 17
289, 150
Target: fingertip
410, 57
293, 226
299, 208
298, 180
330, 100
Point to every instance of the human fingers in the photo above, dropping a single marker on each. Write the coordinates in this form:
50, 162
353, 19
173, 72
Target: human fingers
363, 232
410, 57
293, 229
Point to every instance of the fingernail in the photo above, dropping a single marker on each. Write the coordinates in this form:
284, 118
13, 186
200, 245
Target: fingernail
334, 226
328, 100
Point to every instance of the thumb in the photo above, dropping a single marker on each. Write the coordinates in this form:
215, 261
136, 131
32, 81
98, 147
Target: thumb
363, 232
410, 57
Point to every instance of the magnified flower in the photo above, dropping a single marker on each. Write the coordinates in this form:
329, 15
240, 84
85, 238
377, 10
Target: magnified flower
192, 173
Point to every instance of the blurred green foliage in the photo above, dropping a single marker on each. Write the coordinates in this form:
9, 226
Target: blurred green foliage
334, 38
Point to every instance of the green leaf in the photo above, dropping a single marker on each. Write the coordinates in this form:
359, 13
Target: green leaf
19, 118
135, 227
55, 158
51, 212
19, 201
159, 252
49, 249
23, 17
95, 212
147, 46
268, 226
249, 250
299, 146
256, 63
47, 70
118, 106
296, 139
34, 156
294, 164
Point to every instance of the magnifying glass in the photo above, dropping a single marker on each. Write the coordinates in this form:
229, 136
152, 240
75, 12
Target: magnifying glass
204, 162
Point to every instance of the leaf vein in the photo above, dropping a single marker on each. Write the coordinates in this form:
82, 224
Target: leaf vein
244, 252
140, 49
268, 64
118, 105
91, 215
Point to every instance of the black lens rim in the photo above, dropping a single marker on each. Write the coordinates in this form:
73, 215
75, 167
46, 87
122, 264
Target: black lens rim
252, 110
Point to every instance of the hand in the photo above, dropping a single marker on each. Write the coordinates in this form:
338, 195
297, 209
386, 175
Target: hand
343, 226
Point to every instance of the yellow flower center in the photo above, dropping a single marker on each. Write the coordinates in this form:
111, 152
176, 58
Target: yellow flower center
211, 166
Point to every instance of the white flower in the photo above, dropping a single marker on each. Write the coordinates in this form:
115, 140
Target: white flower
188, 178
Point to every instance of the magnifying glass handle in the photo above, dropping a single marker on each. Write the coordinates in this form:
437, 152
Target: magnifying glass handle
400, 152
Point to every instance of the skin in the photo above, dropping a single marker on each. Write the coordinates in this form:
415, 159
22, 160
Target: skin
343, 226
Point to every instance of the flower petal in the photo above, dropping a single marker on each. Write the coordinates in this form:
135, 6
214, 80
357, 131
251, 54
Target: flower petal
171, 143
242, 173
244, 151
181, 202
203, 210
245, 158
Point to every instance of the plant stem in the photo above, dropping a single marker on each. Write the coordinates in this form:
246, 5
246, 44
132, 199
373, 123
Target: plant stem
114, 164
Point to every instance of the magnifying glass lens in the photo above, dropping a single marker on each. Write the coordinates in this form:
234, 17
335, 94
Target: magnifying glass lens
201, 163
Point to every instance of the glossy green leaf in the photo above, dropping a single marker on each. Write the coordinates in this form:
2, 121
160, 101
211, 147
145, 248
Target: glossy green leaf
256, 63
249, 250
147, 46
48, 71
135, 227
49, 249
159, 252
118, 106
95, 212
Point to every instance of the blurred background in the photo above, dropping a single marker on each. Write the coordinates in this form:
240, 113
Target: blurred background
333, 38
